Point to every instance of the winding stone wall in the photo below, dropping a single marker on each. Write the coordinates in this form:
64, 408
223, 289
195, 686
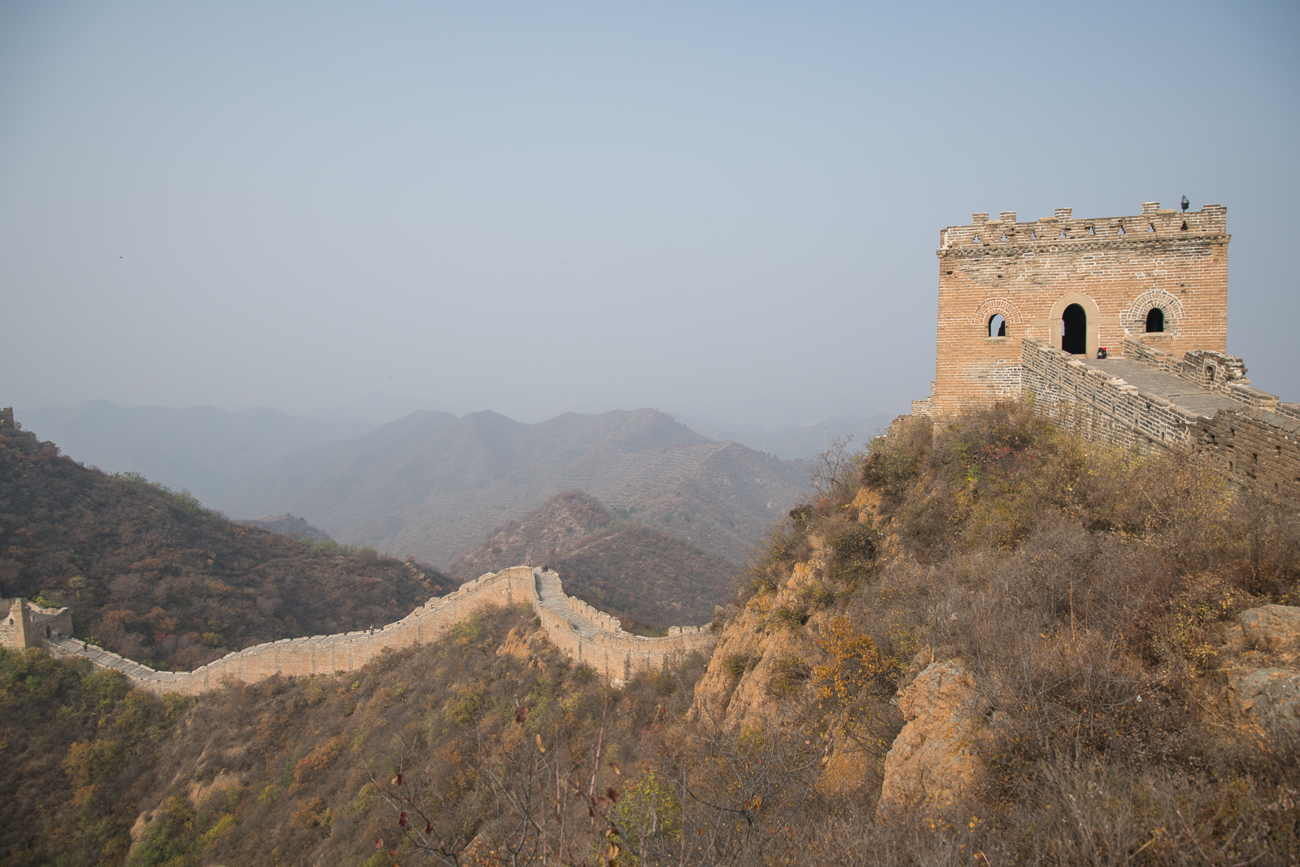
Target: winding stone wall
585, 634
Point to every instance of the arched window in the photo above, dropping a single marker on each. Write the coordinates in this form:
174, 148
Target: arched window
1155, 321
997, 325
1074, 330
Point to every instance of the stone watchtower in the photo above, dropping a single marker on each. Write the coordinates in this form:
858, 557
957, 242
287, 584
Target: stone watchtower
1159, 277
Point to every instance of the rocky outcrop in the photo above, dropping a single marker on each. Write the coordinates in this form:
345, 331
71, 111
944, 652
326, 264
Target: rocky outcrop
1268, 697
754, 644
1271, 627
934, 758
1261, 659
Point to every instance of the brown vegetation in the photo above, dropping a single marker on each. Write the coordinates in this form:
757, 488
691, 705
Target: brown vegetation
153, 575
1059, 617
1085, 592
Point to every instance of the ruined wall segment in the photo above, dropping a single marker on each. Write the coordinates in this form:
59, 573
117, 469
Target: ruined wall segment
1116, 269
588, 636
25, 624
15, 624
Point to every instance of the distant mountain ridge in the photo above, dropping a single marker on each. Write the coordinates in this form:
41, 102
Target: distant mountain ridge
641, 574
795, 442
289, 525
202, 449
434, 486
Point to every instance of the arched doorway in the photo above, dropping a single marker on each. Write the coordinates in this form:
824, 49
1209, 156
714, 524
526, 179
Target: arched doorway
1074, 330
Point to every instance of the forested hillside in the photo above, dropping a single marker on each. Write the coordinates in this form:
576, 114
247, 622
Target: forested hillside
426, 748
156, 577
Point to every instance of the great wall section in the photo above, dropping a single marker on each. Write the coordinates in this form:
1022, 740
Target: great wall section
1114, 327
586, 635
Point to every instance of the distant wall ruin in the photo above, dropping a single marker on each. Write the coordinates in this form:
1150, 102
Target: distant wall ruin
25, 624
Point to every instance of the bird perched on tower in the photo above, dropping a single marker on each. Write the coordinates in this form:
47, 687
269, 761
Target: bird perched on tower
1186, 204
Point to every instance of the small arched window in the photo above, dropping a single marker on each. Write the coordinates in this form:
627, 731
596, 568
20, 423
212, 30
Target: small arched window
997, 325
1155, 321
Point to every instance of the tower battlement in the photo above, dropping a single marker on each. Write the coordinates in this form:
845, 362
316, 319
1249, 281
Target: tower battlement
1153, 224
1159, 277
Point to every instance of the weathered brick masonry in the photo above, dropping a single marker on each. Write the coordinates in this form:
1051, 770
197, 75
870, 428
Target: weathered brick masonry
1153, 290
1245, 433
586, 635
26, 624
1113, 270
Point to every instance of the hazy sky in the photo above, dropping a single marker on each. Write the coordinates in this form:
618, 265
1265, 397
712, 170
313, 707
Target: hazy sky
727, 210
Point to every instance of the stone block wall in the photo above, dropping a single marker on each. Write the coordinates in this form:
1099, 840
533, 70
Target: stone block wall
25, 624
590, 637
1258, 448
14, 624
1255, 447
1116, 268
1090, 403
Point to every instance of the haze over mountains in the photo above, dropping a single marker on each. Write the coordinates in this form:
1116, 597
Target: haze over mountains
207, 450
201, 449
434, 486
795, 442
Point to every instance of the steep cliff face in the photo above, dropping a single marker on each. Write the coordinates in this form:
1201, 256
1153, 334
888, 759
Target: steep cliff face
769, 643
743, 681
935, 759
796, 652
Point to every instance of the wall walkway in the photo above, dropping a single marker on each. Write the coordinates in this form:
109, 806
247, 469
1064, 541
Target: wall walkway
585, 634
1199, 402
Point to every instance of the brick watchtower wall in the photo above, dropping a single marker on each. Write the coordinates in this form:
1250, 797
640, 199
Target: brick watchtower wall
15, 624
1116, 269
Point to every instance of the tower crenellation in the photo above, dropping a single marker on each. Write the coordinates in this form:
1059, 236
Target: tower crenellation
1159, 277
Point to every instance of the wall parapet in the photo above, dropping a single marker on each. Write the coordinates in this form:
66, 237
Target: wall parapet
1004, 234
1251, 437
1097, 405
1212, 370
587, 635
